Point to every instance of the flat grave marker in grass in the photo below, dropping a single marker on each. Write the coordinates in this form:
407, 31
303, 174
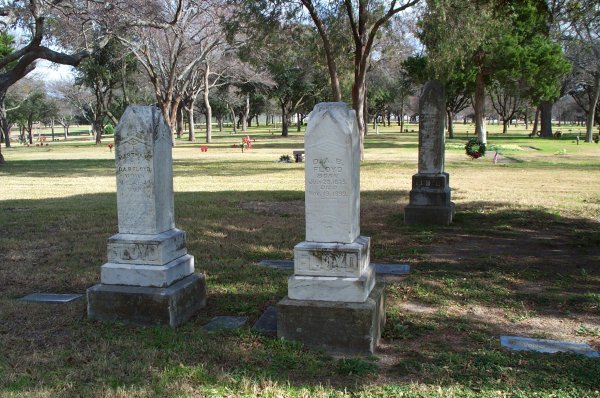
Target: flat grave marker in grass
516, 343
267, 323
225, 323
51, 297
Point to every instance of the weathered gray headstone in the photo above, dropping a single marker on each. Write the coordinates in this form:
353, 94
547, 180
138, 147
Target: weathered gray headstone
332, 267
149, 277
430, 195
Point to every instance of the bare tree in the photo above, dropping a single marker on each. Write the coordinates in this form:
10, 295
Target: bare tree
172, 56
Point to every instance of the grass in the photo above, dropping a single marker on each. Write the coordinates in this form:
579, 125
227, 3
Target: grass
522, 257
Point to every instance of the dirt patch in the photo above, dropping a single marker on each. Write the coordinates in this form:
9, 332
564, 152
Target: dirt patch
420, 308
289, 207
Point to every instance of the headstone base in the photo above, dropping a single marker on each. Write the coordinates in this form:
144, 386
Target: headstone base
429, 200
156, 249
171, 305
335, 327
146, 274
432, 215
332, 288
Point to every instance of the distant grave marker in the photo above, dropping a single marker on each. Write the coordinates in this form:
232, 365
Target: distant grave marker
430, 195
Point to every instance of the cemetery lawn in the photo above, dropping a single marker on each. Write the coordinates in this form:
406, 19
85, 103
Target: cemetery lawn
521, 258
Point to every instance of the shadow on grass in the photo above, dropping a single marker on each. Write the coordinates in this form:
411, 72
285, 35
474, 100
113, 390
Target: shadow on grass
485, 259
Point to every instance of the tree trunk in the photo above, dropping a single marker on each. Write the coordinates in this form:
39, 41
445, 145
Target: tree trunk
450, 116
479, 107
535, 121
52, 128
526, 120
504, 126
257, 121
97, 129
192, 133
245, 114
233, 121
299, 124
285, 120
219, 122
589, 123
179, 120
546, 119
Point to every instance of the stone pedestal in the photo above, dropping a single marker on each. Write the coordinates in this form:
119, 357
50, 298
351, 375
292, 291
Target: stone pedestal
334, 327
331, 303
430, 195
149, 277
429, 200
332, 271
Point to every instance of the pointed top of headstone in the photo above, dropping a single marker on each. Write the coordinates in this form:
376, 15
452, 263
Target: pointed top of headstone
137, 121
432, 120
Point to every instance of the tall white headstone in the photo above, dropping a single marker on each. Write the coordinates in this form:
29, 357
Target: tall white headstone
332, 175
149, 277
331, 303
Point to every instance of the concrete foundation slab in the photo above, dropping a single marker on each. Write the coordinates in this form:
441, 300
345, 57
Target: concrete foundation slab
353, 328
171, 305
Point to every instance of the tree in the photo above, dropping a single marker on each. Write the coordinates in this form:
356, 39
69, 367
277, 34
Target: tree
362, 21
103, 72
78, 28
506, 103
502, 39
173, 55
581, 35
459, 84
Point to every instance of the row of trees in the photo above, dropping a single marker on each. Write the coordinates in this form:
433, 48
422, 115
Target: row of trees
234, 56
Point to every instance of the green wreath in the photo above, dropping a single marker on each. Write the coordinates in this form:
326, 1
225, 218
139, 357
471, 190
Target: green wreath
475, 148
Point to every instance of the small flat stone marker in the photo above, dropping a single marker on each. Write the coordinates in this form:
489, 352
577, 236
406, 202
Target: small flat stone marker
278, 264
225, 323
516, 343
391, 269
51, 297
267, 323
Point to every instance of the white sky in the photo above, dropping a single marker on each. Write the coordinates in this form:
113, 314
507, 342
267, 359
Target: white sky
47, 71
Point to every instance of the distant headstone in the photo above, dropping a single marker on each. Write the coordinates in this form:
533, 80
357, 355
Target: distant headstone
149, 277
430, 195
332, 267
